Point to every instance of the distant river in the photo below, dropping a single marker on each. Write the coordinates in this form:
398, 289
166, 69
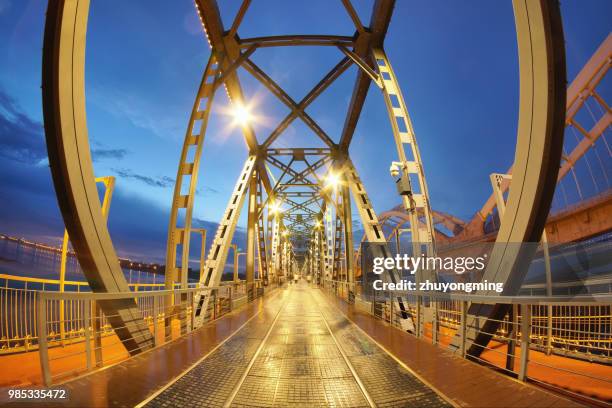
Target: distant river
24, 260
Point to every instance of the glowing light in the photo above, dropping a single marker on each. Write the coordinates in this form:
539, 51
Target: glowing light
285, 233
318, 225
242, 115
332, 180
274, 207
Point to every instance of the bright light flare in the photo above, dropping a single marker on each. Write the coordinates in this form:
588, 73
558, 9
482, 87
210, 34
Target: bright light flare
274, 208
242, 115
332, 180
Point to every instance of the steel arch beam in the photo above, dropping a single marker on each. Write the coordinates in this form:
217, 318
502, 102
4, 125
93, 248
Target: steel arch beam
65, 121
538, 154
188, 171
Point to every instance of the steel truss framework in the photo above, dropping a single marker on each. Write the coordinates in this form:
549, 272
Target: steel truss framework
301, 186
305, 224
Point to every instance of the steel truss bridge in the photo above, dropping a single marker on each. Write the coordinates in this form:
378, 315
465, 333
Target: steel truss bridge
300, 345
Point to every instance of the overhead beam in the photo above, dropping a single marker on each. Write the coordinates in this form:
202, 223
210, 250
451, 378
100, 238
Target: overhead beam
379, 23
298, 40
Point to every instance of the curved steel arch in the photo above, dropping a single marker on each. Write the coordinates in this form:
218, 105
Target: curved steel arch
65, 121
537, 158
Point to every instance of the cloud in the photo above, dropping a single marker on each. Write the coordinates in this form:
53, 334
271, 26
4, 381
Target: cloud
140, 112
137, 225
29, 206
5, 5
163, 181
207, 189
101, 154
21, 138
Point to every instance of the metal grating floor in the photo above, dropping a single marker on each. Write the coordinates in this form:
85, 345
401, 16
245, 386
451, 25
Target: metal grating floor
299, 364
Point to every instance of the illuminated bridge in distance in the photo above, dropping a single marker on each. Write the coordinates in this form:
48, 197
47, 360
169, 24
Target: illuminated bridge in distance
303, 328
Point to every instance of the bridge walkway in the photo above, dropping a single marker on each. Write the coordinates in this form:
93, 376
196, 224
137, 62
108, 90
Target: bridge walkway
304, 354
298, 347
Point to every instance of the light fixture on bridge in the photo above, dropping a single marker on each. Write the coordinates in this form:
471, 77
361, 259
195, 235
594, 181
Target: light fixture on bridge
242, 114
332, 180
274, 207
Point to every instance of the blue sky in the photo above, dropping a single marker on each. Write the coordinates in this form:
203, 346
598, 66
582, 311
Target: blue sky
456, 62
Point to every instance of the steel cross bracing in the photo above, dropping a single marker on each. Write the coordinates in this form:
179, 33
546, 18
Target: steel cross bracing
300, 187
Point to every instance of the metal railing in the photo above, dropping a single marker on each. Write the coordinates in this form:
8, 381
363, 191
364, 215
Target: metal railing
18, 312
93, 343
581, 325
18, 296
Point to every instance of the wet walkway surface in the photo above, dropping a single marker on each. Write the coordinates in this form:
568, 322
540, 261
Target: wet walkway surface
303, 353
298, 346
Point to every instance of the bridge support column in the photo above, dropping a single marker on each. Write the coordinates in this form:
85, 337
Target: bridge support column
376, 237
348, 240
217, 255
251, 225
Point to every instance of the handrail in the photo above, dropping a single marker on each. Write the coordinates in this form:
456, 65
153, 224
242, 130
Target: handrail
121, 295
49, 281
41, 280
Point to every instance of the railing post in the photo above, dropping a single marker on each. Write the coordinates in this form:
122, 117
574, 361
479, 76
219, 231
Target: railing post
43, 350
549, 329
214, 313
463, 328
86, 324
97, 332
525, 336
373, 305
512, 336
192, 311
392, 312
419, 322
155, 313
230, 299
434, 321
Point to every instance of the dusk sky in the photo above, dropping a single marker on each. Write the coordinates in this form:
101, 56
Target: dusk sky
456, 62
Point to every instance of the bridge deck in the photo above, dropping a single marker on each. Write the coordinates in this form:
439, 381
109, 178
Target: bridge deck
301, 348
303, 354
